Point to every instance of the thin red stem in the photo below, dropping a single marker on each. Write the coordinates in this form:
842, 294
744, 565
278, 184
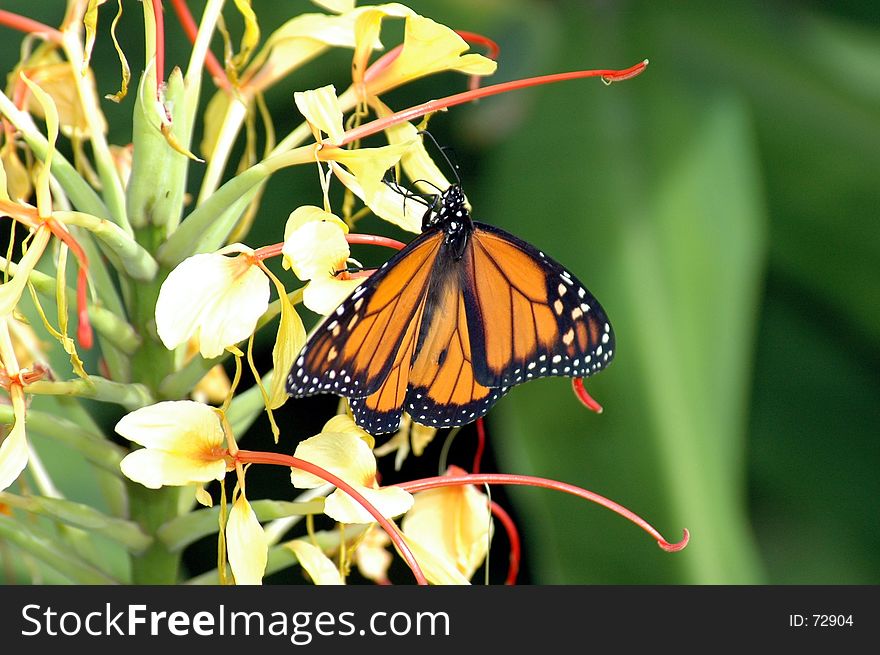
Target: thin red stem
578, 385
530, 481
513, 537
418, 111
374, 240
29, 26
257, 457
268, 251
481, 445
191, 29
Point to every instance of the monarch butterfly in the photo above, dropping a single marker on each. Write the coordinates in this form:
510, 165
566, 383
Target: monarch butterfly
445, 327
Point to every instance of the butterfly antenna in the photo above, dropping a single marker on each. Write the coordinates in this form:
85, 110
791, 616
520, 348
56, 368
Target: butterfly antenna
453, 166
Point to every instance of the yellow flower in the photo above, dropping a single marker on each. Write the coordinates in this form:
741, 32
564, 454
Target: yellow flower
449, 530
315, 248
247, 547
362, 169
214, 298
428, 48
14, 448
410, 435
183, 441
320, 568
372, 556
342, 448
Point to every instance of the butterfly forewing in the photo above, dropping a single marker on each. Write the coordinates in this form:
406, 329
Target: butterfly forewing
530, 317
353, 351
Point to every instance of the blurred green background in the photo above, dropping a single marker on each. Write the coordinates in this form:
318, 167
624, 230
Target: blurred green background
724, 208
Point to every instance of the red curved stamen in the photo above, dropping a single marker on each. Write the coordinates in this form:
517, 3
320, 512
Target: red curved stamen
30, 26
578, 385
513, 537
256, 457
530, 481
418, 111
192, 30
159, 18
382, 63
492, 52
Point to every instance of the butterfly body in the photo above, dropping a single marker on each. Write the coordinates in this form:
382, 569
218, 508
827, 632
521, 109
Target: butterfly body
449, 324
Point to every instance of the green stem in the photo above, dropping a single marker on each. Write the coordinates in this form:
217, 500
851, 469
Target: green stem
130, 396
78, 515
151, 509
92, 445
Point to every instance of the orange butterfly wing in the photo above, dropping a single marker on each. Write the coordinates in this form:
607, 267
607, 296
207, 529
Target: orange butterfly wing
362, 350
530, 317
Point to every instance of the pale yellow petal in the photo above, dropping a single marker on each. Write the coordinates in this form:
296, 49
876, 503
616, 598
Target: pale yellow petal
182, 426
159, 468
314, 243
324, 294
289, 341
437, 569
215, 298
452, 522
429, 47
416, 162
312, 559
14, 449
385, 202
372, 555
343, 454
389, 501
321, 109
368, 25
345, 424
246, 545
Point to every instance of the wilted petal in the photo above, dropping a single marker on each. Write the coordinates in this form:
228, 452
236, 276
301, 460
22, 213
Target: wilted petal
324, 294
453, 523
314, 242
390, 501
246, 545
214, 298
312, 559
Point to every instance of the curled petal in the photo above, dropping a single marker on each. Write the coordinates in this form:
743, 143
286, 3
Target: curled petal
390, 501
246, 544
321, 109
437, 569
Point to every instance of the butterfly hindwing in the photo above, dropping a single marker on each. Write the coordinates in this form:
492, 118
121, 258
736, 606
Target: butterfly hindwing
443, 391
530, 317
353, 351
